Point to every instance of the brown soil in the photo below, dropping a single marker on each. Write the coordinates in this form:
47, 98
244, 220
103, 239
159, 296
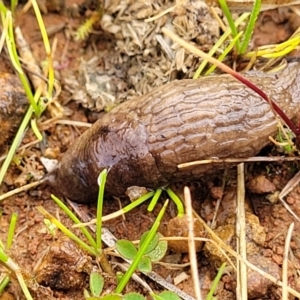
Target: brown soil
58, 265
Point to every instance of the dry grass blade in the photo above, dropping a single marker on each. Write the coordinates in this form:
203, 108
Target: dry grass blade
168, 10
241, 235
191, 243
285, 293
35, 73
237, 160
23, 188
214, 220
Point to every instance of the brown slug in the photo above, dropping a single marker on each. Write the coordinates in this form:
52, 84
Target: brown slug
143, 140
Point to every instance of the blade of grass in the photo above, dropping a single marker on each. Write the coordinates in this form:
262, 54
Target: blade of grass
215, 282
3, 257
66, 231
3, 8
120, 212
11, 265
11, 230
101, 182
5, 24
223, 55
217, 45
282, 48
13, 5
154, 199
250, 26
231, 24
3, 283
23, 285
36, 130
12, 50
75, 220
46, 45
177, 201
10, 44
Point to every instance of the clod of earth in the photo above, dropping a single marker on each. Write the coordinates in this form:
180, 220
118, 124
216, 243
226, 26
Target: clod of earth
13, 105
64, 266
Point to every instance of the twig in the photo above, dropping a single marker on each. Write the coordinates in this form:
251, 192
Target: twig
213, 222
236, 160
191, 243
241, 235
285, 263
23, 188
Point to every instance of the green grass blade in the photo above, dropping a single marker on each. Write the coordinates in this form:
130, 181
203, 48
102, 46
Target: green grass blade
229, 18
11, 230
13, 5
12, 50
3, 257
66, 231
226, 51
4, 282
215, 282
15, 144
137, 202
3, 9
46, 45
250, 26
218, 44
101, 182
75, 220
36, 130
154, 199
177, 201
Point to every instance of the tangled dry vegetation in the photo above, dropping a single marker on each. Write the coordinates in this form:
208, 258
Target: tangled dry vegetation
140, 57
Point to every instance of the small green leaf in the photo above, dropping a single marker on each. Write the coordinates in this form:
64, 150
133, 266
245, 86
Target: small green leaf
133, 296
152, 244
126, 249
159, 252
167, 295
145, 264
96, 284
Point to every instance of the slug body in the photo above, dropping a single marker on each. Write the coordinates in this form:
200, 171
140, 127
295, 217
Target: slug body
143, 140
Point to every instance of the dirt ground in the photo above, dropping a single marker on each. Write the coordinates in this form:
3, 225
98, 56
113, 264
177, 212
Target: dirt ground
111, 65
